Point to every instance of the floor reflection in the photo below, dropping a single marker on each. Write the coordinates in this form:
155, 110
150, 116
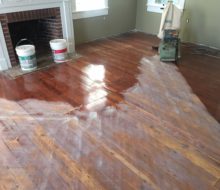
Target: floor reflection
96, 91
95, 72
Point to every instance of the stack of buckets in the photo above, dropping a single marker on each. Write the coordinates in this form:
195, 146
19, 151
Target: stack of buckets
27, 54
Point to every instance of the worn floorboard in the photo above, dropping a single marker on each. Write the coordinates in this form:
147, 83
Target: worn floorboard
117, 118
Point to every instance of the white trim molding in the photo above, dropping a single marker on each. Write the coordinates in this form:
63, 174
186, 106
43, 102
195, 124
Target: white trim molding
9, 6
91, 13
4, 57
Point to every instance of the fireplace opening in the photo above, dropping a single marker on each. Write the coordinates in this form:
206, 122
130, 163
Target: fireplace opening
38, 26
39, 32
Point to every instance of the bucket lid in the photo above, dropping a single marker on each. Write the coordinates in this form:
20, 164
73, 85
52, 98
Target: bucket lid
58, 44
58, 41
25, 48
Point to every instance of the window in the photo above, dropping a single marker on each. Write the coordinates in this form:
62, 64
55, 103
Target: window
158, 5
89, 8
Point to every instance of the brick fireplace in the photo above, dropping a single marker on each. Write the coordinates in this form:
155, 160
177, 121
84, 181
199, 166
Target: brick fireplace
39, 22
38, 26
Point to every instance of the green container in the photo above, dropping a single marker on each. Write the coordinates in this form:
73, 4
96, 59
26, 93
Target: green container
168, 50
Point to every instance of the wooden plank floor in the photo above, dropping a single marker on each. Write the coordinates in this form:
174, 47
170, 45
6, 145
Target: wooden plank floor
117, 118
202, 74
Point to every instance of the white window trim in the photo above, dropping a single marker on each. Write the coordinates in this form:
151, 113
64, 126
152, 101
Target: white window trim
90, 13
158, 8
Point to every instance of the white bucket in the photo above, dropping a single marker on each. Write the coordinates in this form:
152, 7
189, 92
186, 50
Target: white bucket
27, 57
59, 49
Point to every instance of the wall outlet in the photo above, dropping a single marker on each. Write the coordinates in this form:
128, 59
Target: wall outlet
187, 20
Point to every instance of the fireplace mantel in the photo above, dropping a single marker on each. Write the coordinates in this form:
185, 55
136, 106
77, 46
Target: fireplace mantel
9, 6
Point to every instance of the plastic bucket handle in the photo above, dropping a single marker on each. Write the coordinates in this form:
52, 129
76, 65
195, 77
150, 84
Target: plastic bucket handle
24, 40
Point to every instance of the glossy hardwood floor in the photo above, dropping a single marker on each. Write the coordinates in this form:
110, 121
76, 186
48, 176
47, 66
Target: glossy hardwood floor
117, 118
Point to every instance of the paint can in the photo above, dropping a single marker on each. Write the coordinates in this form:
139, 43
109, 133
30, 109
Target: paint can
26, 55
59, 49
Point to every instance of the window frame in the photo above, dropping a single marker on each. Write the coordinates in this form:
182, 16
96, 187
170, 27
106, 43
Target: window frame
89, 13
152, 6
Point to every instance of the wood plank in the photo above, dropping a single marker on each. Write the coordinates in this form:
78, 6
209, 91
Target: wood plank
117, 118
